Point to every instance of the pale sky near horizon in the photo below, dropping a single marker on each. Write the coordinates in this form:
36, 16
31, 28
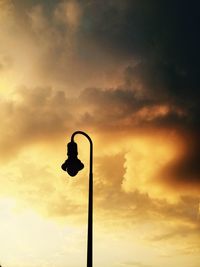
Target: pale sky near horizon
127, 73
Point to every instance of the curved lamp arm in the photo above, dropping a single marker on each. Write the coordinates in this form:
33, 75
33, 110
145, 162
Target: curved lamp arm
91, 147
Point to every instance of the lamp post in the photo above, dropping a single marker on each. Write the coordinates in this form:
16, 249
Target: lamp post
72, 166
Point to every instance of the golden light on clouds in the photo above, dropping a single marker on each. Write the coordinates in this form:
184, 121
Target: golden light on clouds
116, 70
145, 159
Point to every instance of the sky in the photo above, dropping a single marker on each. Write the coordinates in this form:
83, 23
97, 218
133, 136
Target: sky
127, 73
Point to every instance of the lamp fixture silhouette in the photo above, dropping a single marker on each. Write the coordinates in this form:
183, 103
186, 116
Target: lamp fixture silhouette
72, 166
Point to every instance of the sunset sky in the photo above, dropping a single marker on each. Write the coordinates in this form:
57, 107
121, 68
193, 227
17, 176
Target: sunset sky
127, 73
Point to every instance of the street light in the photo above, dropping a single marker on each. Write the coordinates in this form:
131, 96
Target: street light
72, 166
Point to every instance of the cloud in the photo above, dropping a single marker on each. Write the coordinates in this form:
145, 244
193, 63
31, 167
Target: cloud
184, 171
144, 202
94, 40
123, 107
70, 13
142, 30
43, 47
164, 53
43, 115
38, 114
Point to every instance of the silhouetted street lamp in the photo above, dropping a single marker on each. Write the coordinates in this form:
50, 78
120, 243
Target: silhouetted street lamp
72, 166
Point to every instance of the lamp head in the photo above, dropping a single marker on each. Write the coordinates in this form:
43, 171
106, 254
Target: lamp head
72, 165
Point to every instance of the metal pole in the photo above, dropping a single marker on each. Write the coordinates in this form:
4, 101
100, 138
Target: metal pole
90, 202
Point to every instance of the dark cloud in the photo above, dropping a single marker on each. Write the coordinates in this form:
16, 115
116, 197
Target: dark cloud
123, 109
184, 172
162, 38
22, 5
146, 29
